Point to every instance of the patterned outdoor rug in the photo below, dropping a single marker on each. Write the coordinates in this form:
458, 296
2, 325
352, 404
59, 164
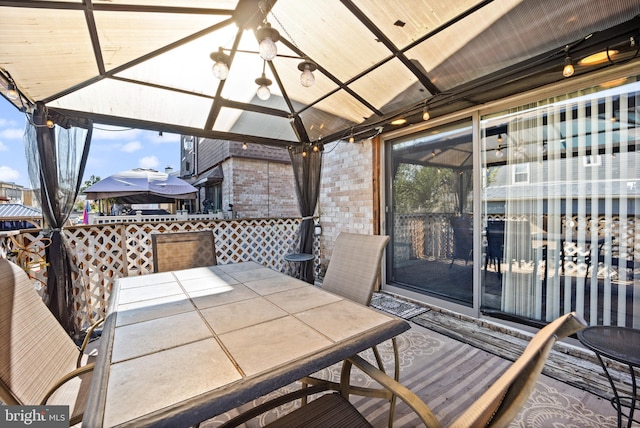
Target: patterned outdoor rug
397, 307
449, 375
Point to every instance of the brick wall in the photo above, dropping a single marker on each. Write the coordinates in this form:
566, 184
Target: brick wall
259, 188
346, 194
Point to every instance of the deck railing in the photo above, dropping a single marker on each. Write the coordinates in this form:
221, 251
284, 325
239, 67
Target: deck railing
602, 281
101, 253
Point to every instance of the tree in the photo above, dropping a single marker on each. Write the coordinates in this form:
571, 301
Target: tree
420, 188
90, 182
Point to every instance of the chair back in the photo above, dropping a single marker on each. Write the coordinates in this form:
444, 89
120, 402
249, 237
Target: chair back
183, 250
502, 402
462, 237
35, 351
354, 267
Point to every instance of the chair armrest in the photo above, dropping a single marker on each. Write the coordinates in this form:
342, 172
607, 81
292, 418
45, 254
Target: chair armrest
412, 400
66, 378
87, 338
276, 402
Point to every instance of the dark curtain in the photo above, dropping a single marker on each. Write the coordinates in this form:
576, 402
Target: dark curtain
56, 158
307, 165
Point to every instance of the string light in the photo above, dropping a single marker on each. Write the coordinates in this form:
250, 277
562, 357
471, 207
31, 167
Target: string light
425, 113
263, 83
268, 36
221, 64
568, 69
12, 91
307, 79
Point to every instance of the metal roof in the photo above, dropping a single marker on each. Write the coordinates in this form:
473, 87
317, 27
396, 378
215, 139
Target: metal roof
18, 211
146, 64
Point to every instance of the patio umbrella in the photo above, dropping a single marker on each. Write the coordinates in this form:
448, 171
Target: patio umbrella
141, 186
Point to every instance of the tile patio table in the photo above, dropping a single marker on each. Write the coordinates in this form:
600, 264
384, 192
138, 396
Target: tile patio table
181, 347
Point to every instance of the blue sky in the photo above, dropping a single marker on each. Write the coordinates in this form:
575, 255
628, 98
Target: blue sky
112, 149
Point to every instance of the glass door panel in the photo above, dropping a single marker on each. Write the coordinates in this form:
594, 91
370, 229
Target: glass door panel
430, 216
560, 197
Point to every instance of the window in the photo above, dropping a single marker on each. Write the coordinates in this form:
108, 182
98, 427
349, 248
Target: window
520, 173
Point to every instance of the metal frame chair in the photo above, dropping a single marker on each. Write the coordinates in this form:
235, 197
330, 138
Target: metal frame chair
39, 362
354, 273
183, 250
496, 407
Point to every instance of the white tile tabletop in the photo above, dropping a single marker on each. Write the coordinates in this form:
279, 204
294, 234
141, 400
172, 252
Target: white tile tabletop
184, 346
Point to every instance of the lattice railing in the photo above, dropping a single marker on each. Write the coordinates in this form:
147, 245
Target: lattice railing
426, 235
102, 253
430, 236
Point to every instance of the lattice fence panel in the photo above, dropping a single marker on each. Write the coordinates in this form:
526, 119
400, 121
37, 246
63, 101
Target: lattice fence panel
100, 255
27, 250
103, 253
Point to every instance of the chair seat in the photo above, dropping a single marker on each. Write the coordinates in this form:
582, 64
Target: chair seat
330, 410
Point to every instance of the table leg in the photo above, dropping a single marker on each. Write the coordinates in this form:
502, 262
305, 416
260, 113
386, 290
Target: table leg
617, 400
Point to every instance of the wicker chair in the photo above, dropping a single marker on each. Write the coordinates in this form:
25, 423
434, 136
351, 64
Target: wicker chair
496, 407
39, 362
183, 250
354, 269
353, 273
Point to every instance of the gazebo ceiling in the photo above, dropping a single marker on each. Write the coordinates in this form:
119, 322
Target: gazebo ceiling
146, 64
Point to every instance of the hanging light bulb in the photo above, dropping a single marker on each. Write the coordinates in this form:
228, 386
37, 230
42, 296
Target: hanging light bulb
307, 79
50, 123
316, 148
568, 69
499, 153
221, 64
263, 83
263, 92
12, 91
425, 113
268, 36
244, 146
499, 138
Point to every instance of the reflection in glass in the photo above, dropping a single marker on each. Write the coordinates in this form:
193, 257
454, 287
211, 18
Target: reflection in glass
431, 213
560, 201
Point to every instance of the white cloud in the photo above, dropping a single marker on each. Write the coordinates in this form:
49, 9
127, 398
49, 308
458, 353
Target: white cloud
8, 174
12, 133
149, 162
3, 147
131, 147
5, 123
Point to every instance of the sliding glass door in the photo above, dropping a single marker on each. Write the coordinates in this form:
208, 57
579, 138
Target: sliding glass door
430, 214
559, 221
561, 199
